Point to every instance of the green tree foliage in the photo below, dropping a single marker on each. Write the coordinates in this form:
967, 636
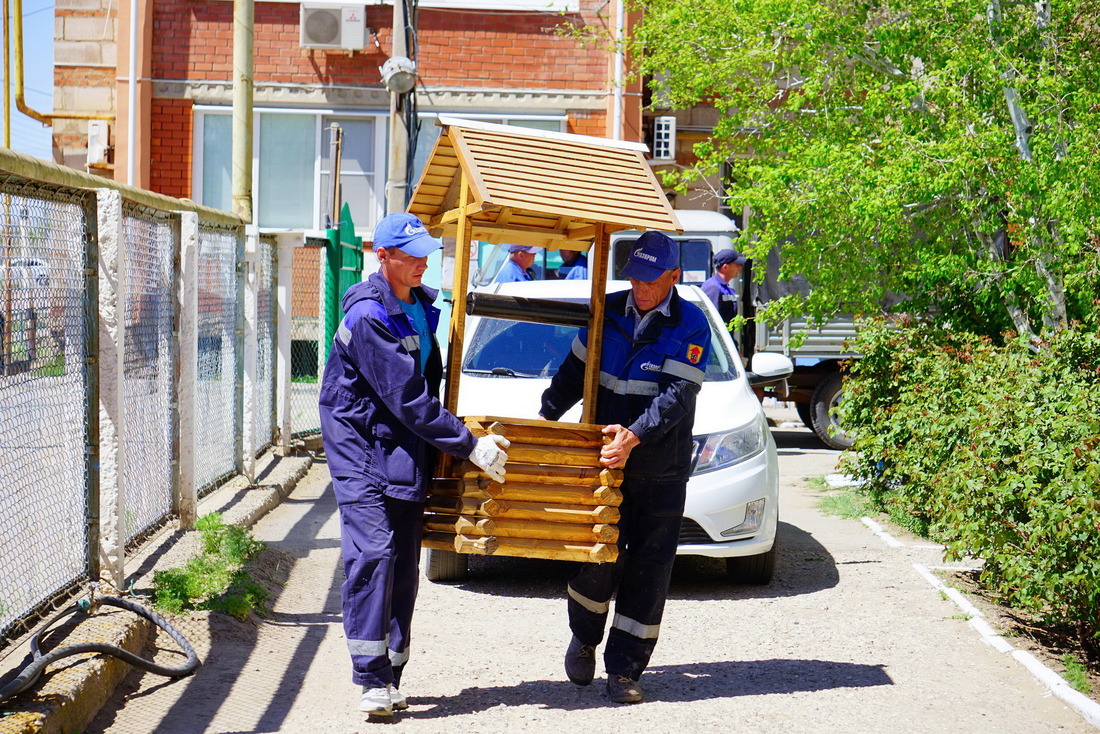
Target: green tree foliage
889, 145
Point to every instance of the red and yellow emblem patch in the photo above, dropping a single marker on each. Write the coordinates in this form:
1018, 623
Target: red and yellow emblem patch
695, 353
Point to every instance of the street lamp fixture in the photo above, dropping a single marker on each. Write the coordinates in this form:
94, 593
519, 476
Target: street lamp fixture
399, 74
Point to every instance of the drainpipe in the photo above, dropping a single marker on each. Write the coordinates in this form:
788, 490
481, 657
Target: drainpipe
617, 113
131, 96
7, 75
243, 16
20, 104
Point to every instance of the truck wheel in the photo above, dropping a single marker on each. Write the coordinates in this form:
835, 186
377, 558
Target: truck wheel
752, 570
806, 414
445, 566
826, 398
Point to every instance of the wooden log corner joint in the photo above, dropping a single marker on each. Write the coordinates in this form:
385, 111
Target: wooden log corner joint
556, 502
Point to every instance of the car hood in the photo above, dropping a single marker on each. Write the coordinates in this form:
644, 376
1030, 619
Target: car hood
721, 406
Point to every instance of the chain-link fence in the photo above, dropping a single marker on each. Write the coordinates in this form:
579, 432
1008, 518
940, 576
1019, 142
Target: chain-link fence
306, 360
217, 398
149, 241
128, 326
265, 344
46, 389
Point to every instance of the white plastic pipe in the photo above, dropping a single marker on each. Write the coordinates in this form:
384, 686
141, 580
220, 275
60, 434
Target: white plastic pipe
131, 117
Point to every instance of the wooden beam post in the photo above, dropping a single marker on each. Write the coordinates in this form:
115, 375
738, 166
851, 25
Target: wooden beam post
598, 274
458, 294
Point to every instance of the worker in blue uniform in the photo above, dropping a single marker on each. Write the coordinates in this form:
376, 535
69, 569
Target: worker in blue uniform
727, 266
574, 265
519, 265
381, 425
654, 354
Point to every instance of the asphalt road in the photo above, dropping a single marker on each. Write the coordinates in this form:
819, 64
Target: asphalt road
849, 637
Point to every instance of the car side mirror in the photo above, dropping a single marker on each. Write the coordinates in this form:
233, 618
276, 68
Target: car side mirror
768, 367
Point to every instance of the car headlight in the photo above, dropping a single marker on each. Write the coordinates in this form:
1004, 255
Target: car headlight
719, 450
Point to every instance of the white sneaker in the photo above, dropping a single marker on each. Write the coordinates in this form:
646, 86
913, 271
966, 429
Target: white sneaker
376, 701
397, 699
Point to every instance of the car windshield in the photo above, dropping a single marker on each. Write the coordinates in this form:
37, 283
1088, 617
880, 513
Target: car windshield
507, 348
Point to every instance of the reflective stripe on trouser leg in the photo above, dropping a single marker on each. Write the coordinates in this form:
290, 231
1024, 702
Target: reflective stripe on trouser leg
649, 531
376, 606
589, 599
407, 520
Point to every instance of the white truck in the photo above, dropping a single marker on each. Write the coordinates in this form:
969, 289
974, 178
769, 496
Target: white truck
815, 385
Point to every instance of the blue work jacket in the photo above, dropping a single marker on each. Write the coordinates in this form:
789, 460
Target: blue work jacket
723, 296
648, 384
380, 416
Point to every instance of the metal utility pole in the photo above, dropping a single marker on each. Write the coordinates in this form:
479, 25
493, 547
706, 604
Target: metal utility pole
396, 183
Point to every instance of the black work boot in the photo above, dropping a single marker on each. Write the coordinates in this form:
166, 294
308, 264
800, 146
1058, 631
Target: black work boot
621, 689
580, 662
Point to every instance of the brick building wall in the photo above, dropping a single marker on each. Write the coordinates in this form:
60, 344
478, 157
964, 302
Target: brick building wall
84, 73
172, 123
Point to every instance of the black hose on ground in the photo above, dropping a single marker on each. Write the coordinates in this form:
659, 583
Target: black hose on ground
30, 674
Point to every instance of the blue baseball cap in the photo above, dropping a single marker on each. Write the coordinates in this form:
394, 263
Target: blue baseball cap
653, 254
406, 233
727, 256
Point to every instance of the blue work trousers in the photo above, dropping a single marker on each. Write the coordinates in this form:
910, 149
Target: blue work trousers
380, 540
649, 530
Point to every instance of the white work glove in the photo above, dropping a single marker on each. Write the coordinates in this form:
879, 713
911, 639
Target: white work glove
489, 455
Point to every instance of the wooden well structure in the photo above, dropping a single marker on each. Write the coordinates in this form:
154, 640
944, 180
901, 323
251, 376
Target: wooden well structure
499, 184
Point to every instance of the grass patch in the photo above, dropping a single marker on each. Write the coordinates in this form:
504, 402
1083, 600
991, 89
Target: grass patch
216, 579
1076, 674
849, 503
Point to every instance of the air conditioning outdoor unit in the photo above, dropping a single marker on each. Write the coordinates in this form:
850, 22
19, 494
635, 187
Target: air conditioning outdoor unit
664, 138
333, 25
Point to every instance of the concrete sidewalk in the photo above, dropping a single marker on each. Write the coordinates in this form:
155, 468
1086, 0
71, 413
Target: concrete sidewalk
71, 692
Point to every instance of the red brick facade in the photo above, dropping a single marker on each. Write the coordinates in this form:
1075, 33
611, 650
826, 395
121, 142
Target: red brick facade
467, 49
170, 169
194, 40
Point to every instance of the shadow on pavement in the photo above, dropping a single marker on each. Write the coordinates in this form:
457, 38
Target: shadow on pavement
694, 682
804, 566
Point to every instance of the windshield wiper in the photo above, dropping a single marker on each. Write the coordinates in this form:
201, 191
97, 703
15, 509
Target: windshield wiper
499, 372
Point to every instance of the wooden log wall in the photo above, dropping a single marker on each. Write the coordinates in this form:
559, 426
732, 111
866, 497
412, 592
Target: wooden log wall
556, 502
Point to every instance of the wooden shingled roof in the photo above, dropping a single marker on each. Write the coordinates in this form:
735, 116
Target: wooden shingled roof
532, 187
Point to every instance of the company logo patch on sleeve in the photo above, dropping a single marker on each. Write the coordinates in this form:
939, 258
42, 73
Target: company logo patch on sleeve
694, 353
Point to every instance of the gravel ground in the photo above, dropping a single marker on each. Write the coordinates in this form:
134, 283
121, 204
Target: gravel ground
847, 638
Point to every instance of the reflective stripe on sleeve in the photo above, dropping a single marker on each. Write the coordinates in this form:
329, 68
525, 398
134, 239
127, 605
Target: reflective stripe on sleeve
684, 371
628, 387
370, 648
579, 348
593, 606
636, 628
343, 333
411, 343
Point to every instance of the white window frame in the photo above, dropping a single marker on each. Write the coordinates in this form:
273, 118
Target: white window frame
379, 174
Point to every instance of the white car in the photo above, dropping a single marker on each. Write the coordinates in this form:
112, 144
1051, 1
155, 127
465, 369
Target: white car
732, 504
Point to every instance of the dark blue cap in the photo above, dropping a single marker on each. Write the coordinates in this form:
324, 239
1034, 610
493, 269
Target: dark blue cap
406, 233
652, 255
727, 256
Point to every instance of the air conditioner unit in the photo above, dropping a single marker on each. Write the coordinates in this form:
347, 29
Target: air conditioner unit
333, 25
664, 138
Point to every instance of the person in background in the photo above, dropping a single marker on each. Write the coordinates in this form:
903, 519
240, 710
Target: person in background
574, 265
381, 425
653, 354
727, 266
518, 265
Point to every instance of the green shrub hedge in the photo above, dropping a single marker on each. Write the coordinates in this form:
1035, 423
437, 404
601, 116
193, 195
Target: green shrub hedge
992, 449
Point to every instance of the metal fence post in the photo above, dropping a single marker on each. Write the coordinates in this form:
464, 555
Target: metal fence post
187, 500
285, 295
251, 332
112, 428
